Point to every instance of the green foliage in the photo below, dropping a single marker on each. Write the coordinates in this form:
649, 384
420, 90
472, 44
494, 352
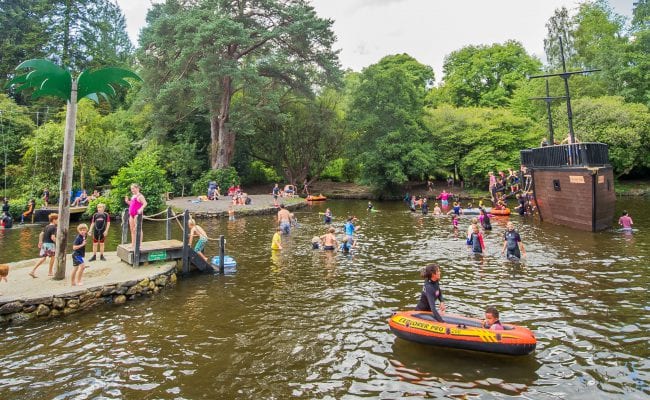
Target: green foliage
225, 177
342, 170
18, 205
260, 173
334, 170
487, 76
198, 55
625, 127
479, 140
87, 34
560, 26
386, 114
113, 206
144, 170
15, 124
303, 137
24, 31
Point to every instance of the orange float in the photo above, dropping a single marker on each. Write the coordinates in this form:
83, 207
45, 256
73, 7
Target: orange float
320, 197
501, 212
461, 333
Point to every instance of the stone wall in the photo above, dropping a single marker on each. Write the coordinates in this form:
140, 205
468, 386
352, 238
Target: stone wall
64, 304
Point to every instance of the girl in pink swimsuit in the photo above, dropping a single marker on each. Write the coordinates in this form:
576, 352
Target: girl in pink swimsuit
137, 203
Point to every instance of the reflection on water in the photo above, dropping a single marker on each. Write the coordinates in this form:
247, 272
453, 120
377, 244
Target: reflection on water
313, 324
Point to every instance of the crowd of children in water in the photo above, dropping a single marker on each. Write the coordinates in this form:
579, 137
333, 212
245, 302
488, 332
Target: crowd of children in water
513, 247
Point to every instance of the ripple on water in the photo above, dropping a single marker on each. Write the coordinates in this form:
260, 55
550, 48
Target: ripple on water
312, 324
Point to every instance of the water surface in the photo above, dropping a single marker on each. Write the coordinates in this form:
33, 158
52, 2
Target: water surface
312, 324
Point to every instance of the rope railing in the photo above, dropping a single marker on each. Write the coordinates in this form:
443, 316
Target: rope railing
184, 226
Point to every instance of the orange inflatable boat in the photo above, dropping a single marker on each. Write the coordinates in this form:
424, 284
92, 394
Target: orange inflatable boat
320, 197
503, 211
461, 333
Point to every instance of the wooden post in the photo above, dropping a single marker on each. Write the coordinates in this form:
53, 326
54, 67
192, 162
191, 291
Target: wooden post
125, 225
65, 183
168, 224
138, 238
222, 253
186, 241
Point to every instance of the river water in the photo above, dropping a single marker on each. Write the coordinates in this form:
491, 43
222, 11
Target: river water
311, 324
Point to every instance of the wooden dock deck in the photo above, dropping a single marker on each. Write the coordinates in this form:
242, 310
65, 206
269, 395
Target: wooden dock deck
158, 250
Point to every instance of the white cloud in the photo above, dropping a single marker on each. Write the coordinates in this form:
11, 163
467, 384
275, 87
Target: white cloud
428, 30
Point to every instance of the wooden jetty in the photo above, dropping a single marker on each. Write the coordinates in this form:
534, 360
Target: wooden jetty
165, 250
41, 214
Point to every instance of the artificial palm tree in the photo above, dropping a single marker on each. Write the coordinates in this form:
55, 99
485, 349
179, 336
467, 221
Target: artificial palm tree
48, 79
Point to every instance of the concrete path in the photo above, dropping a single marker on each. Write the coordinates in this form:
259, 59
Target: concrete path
261, 204
21, 285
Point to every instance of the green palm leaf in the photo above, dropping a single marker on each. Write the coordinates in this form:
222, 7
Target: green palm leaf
102, 81
46, 77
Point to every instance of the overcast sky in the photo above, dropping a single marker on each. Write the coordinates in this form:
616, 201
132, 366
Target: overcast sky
428, 30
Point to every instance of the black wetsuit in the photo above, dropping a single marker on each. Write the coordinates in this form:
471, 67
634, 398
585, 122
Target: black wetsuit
512, 246
430, 292
425, 208
522, 206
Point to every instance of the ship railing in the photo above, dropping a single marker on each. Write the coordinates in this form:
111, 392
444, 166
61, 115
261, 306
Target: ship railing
576, 155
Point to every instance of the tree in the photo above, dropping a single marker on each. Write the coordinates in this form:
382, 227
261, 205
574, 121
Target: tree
198, 55
560, 26
487, 75
624, 127
303, 138
88, 34
479, 140
48, 79
15, 124
386, 117
24, 33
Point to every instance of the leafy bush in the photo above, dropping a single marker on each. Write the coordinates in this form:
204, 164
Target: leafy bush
224, 177
145, 171
259, 173
17, 206
341, 170
351, 170
334, 170
112, 207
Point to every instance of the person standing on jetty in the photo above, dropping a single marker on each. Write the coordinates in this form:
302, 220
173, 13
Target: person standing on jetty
78, 254
137, 204
99, 225
284, 220
46, 244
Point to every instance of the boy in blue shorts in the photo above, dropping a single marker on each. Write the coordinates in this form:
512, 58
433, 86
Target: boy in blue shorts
78, 254
196, 230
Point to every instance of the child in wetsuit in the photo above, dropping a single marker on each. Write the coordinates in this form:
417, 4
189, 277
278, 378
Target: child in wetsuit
475, 241
431, 292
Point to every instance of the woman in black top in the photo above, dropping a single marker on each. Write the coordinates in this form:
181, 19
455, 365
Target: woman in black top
431, 292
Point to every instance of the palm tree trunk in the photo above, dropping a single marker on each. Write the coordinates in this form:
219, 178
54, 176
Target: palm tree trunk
66, 183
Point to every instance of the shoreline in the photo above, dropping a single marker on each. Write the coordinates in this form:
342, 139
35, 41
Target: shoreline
105, 282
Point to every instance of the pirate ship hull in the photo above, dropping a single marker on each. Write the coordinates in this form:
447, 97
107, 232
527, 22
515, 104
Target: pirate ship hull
573, 184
